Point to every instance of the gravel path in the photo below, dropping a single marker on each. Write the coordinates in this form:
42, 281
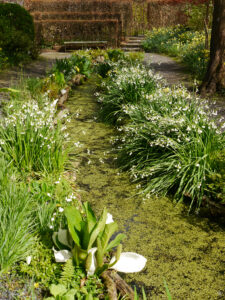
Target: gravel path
176, 73
37, 68
172, 71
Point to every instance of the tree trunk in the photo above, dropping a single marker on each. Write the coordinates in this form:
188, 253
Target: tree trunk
215, 75
206, 25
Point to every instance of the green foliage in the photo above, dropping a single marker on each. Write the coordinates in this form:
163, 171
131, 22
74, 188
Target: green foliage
188, 46
216, 179
134, 57
42, 266
73, 281
16, 32
115, 54
136, 297
68, 273
197, 14
76, 64
169, 297
17, 224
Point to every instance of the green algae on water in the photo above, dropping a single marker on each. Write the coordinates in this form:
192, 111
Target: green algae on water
187, 251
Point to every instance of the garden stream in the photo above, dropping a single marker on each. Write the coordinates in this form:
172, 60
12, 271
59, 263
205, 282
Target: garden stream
187, 251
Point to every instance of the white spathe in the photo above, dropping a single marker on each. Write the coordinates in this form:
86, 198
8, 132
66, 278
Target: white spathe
28, 259
93, 266
129, 262
63, 91
62, 255
109, 219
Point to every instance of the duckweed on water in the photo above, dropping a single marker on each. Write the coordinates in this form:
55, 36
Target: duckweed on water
187, 251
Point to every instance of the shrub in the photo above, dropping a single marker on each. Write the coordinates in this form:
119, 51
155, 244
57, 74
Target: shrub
16, 32
179, 41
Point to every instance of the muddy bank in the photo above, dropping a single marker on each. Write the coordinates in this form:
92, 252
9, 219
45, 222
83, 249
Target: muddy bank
187, 251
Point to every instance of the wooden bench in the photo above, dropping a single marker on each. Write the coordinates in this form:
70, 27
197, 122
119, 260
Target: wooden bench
72, 45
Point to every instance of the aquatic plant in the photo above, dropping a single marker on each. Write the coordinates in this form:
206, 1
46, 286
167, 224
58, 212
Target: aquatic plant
87, 240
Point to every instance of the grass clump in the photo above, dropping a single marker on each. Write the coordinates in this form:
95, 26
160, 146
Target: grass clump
181, 42
17, 224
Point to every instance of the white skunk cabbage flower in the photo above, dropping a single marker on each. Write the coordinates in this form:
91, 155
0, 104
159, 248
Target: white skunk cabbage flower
93, 266
129, 262
62, 255
63, 91
109, 219
28, 259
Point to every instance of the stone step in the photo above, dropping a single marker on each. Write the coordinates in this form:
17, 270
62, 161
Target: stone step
131, 49
140, 37
130, 45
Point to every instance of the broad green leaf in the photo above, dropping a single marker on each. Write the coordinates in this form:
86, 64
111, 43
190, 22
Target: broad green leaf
99, 253
118, 251
55, 240
69, 295
97, 229
116, 241
91, 219
85, 236
74, 220
89, 297
57, 290
63, 237
108, 232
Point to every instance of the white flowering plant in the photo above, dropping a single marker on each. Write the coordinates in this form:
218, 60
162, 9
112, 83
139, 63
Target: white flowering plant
125, 85
169, 144
31, 139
